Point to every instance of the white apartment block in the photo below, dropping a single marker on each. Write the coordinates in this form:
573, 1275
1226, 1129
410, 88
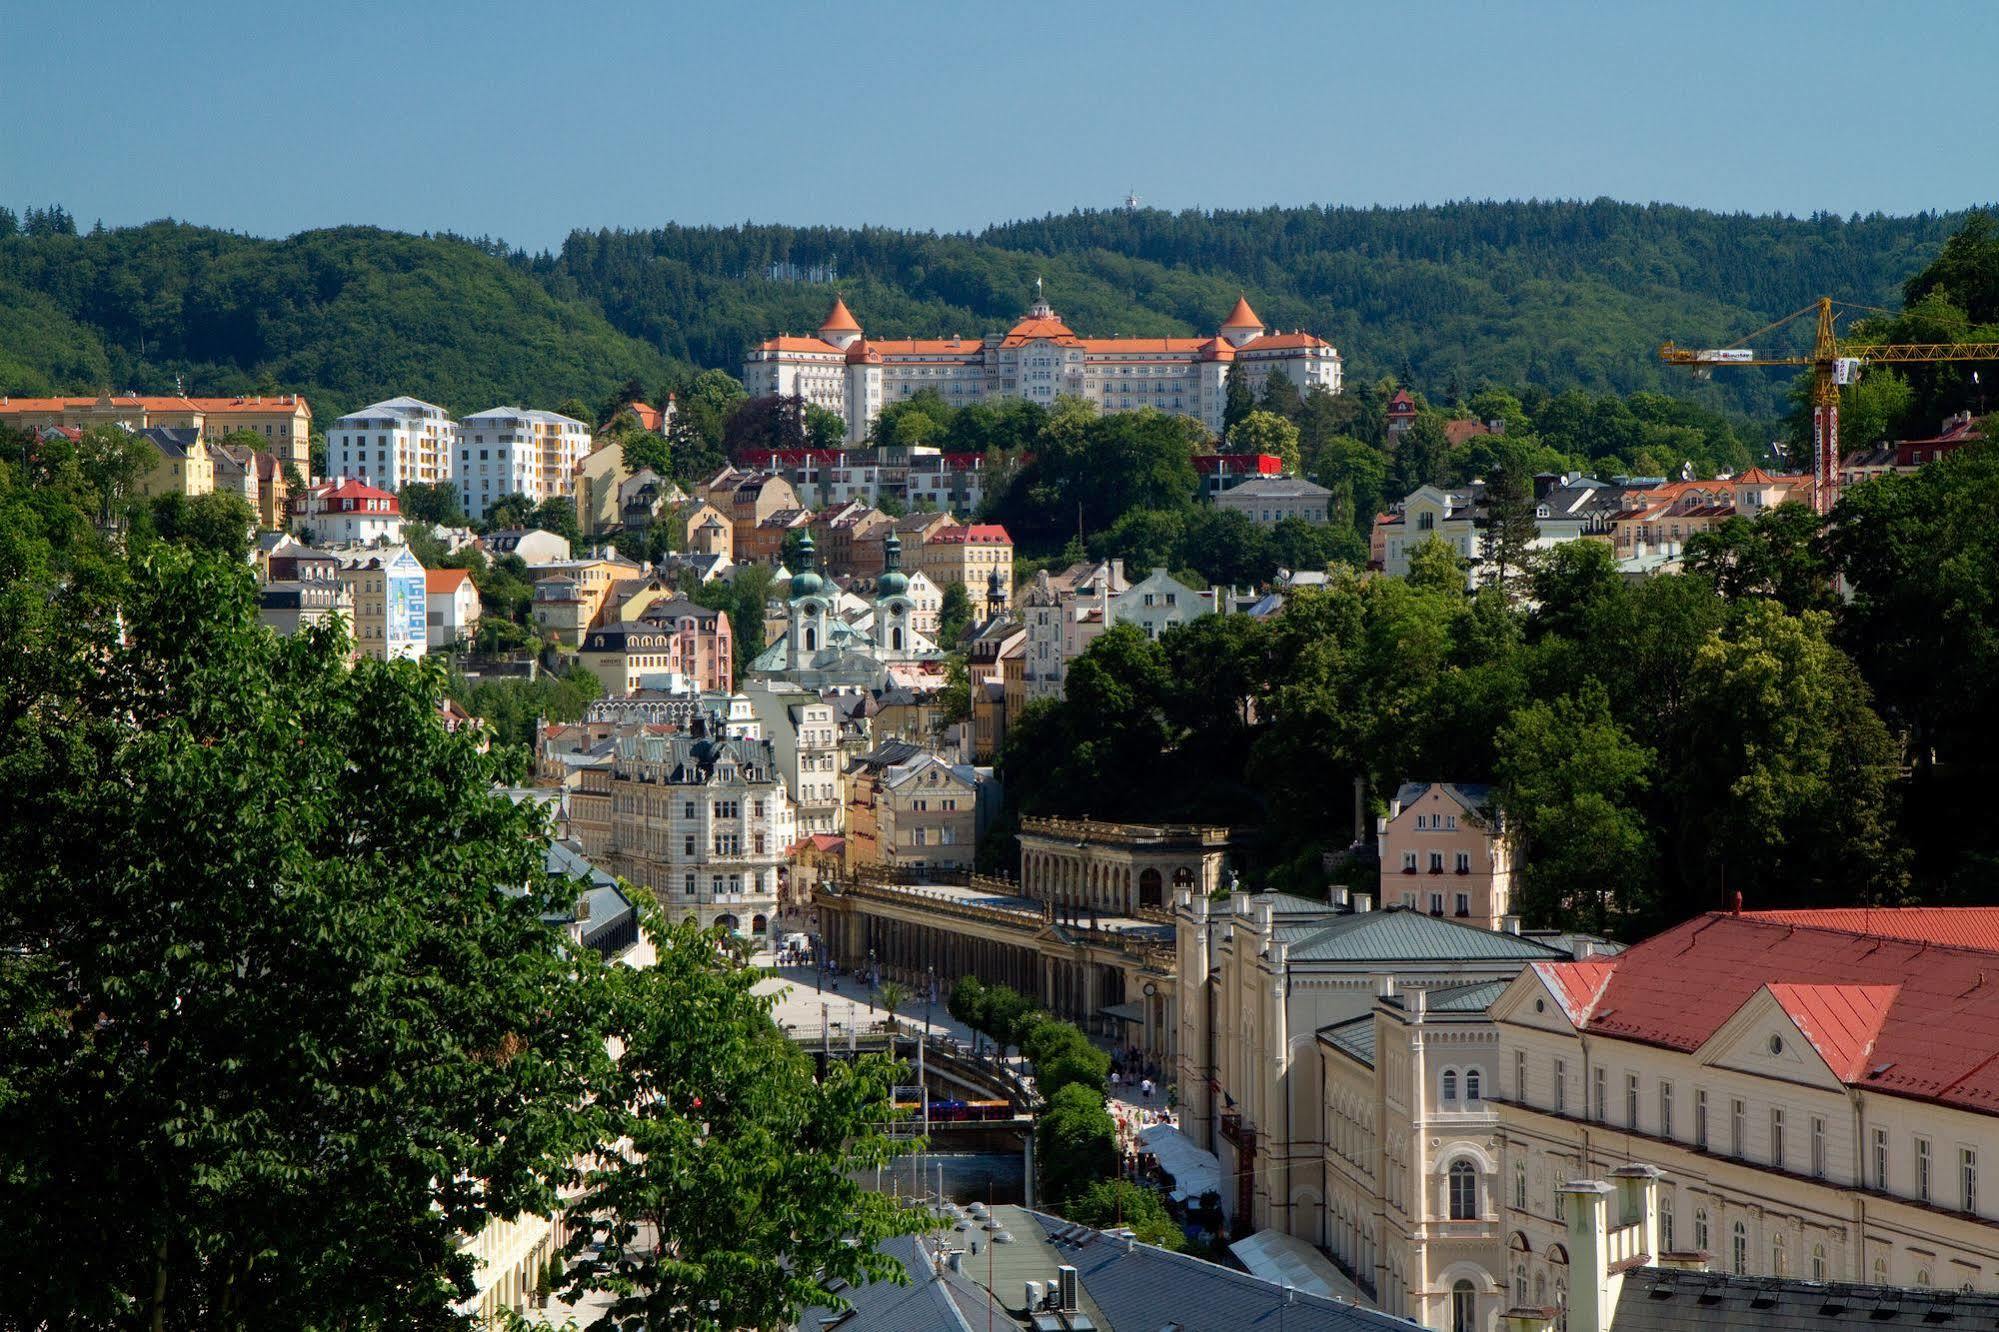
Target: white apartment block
392, 444
517, 451
1038, 359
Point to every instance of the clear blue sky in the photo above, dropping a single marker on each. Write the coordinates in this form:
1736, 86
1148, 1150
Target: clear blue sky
526, 120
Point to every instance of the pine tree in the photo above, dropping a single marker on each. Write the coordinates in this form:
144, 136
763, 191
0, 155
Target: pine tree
1238, 401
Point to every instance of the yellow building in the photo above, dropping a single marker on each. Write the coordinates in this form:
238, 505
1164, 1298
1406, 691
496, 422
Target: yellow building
598, 477
182, 466
971, 556
570, 595
282, 420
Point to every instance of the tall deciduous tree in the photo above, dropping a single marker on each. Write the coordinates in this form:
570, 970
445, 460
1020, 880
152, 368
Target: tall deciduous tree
1266, 432
283, 1028
1510, 524
1570, 786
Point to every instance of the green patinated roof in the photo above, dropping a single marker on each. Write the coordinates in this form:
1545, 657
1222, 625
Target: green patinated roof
1412, 936
1290, 904
1355, 1036
1465, 998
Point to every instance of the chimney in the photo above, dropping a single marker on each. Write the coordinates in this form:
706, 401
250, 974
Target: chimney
583, 907
1510, 924
1363, 902
1384, 987
1065, 1277
955, 1259
1417, 1000
1593, 1290
1340, 899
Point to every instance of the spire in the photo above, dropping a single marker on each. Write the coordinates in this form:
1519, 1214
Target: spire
840, 319
893, 582
1242, 316
1040, 309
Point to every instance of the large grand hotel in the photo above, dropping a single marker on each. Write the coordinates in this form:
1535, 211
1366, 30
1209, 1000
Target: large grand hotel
1040, 357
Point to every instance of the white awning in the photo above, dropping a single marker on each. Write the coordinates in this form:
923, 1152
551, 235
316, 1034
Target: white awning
1194, 1169
1290, 1261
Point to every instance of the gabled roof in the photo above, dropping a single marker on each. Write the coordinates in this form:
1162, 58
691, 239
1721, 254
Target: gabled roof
1841, 1021
1242, 316
442, 582
1576, 985
1472, 797
1904, 1016
1354, 1037
1960, 927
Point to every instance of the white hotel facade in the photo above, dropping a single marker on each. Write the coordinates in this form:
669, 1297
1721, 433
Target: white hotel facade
1039, 358
504, 451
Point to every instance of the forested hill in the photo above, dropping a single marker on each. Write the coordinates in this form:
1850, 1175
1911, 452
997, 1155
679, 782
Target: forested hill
346, 316
1558, 294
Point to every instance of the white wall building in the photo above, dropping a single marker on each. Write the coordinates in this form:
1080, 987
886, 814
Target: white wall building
1269, 500
392, 444
1039, 358
1159, 601
517, 451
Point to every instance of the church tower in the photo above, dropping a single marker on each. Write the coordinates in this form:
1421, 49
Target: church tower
809, 605
892, 604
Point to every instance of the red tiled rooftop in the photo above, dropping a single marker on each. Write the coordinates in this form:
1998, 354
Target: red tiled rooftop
1959, 927
1891, 1010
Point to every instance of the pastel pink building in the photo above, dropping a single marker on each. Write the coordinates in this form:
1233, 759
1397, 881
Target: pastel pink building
1444, 851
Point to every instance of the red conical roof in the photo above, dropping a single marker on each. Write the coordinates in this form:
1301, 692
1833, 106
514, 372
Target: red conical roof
1242, 316
840, 320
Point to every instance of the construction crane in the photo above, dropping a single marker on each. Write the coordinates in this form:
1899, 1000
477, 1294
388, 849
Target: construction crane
1834, 364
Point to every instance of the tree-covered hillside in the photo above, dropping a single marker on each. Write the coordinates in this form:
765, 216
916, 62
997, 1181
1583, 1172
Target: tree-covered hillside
1445, 298
1562, 295
346, 316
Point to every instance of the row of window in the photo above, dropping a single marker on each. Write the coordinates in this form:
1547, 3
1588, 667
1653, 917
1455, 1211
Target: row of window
1409, 861
1780, 1147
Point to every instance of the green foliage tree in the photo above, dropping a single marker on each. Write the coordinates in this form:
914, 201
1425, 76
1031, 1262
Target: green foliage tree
1570, 780
1075, 1141
434, 504
511, 706
1422, 454
1510, 524
508, 511
954, 614
1237, 400
739, 1199
250, 850
221, 521
1780, 554
1281, 397
1112, 1204
557, 514
1436, 566
641, 449
1266, 432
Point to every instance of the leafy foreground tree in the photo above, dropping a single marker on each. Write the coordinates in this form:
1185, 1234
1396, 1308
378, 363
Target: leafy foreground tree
276, 1039
734, 1199
285, 1023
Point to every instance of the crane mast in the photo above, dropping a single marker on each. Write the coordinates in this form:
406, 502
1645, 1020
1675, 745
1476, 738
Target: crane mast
1834, 364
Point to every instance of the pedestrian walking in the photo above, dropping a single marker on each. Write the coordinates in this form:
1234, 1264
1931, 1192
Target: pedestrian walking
1145, 1089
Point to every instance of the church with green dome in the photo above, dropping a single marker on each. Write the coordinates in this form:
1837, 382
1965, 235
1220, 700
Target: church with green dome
820, 649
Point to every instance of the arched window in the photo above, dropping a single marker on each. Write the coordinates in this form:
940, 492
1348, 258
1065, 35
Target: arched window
1540, 1290
1520, 1285
1151, 891
1779, 1259
1464, 1191
1923, 1277
895, 639
1700, 1229
1818, 1262
1880, 1271
1450, 1086
1464, 1307
1738, 1257
1471, 1086
1520, 1188
811, 639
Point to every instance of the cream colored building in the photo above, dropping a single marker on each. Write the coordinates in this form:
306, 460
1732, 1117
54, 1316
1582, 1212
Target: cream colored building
1259, 978
570, 595
977, 556
1818, 1086
1037, 359
391, 601
182, 464
1444, 851
1269, 500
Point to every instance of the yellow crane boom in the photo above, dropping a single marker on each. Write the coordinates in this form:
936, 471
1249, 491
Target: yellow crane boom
1833, 363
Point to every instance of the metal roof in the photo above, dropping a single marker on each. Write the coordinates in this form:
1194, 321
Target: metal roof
1355, 1036
1396, 935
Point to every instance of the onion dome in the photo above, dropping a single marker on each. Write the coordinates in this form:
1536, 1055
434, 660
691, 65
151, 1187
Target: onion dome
806, 582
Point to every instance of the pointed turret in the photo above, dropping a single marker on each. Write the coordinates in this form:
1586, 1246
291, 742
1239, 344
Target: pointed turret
841, 328
1242, 325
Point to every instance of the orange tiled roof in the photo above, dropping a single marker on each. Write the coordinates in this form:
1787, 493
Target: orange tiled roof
1048, 327
840, 319
1142, 346
786, 342
442, 581
167, 403
1242, 316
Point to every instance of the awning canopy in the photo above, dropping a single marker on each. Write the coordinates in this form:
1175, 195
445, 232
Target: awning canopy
1290, 1261
1195, 1170
1124, 1012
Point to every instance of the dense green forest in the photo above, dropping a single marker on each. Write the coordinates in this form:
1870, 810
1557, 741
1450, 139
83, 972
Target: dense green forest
1557, 295
345, 316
